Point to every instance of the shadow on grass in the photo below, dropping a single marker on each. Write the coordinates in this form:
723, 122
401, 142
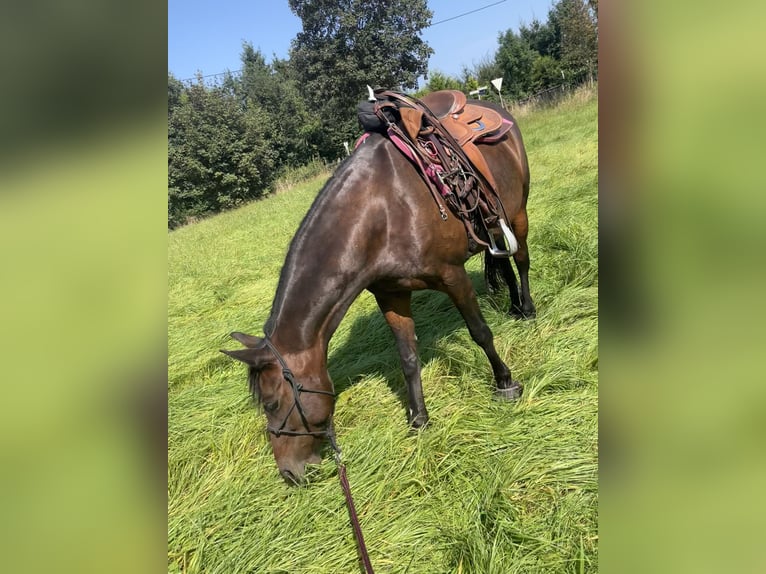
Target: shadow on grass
435, 318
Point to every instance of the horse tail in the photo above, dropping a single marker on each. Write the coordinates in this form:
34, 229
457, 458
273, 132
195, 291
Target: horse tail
492, 273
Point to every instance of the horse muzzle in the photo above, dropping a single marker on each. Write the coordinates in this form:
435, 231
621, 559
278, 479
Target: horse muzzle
290, 477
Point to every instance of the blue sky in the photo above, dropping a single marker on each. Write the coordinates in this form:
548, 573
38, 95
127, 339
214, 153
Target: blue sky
207, 36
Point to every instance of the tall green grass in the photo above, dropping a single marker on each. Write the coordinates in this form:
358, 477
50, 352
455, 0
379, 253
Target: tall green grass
487, 487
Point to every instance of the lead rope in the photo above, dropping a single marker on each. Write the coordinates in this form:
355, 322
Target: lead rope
361, 547
330, 433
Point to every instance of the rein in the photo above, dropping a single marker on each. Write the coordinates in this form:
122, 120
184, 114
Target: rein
329, 433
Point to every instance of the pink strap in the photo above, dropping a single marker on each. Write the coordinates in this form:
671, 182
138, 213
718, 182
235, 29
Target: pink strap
432, 171
361, 139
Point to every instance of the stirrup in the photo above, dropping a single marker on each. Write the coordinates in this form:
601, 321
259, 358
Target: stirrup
513, 245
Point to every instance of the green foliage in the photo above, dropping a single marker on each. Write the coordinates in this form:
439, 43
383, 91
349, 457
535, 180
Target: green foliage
593, 5
481, 75
546, 73
576, 22
470, 81
515, 58
440, 81
348, 44
294, 132
545, 39
487, 70
486, 487
218, 152
534, 58
175, 91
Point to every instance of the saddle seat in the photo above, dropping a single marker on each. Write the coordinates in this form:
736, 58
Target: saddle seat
444, 102
465, 122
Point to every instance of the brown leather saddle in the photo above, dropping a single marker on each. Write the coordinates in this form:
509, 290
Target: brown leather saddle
467, 123
439, 134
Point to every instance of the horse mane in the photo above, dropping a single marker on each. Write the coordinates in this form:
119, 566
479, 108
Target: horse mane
300, 237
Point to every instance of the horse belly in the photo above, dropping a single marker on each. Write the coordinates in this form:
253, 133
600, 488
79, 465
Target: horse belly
394, 284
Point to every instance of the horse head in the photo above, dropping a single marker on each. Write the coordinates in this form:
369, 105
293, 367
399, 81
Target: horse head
297, 400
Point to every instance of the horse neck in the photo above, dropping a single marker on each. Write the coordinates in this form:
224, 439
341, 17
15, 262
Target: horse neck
324, 270
307, 325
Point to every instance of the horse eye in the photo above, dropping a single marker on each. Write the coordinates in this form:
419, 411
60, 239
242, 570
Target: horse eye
271, 406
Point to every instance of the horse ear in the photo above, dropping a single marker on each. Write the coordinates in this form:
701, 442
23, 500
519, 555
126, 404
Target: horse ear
256, 358
247, 340
244, 355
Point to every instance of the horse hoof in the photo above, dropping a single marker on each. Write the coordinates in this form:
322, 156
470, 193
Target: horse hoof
517, 313
419, 422
512, 393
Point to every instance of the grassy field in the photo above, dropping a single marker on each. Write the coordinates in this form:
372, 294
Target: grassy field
488, 487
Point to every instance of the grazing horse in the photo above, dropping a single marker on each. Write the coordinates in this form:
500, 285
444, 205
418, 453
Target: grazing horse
375, 226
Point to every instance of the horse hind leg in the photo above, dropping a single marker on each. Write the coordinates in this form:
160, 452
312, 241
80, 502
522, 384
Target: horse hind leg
495, 267
397, 310
520, 226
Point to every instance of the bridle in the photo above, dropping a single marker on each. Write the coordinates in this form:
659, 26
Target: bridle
297, 389
328, 433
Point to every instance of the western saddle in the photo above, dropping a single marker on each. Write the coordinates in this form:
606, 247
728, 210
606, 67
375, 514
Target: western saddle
439, 134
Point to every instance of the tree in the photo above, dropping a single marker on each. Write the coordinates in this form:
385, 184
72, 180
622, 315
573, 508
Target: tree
535, 58
441, 81
345, 45
515, 59
545, 39
175, 90
258, 83
593, 5
546, 73
218, 154
273, 89
578, 33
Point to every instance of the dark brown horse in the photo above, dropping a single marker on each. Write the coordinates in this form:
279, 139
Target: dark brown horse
375, 226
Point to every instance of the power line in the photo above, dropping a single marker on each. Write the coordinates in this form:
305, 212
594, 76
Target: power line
466, 13
213, 75
429, 26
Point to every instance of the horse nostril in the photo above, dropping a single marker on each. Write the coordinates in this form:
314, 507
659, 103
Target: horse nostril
289, 477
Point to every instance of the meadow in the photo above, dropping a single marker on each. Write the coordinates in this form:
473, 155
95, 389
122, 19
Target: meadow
488, 487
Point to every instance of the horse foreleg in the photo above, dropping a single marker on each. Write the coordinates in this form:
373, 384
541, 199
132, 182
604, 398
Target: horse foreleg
520, 226
397, 309
457, 285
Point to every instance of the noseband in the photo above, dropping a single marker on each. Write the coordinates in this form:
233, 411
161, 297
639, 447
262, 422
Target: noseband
297, 389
